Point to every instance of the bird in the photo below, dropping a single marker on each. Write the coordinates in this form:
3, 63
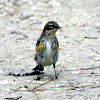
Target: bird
47, 48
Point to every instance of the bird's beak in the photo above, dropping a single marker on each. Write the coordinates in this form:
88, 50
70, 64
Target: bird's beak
59, 27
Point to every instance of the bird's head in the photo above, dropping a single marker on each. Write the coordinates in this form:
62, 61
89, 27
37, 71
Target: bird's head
50, 28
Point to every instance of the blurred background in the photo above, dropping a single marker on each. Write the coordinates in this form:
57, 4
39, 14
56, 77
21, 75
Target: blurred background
21, 23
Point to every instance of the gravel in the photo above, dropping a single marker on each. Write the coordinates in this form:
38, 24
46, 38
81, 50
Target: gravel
21, 23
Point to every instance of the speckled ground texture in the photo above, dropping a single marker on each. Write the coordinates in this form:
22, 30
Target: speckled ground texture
21, 23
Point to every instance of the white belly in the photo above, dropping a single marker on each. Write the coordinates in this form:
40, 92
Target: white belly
49, 57
48, 51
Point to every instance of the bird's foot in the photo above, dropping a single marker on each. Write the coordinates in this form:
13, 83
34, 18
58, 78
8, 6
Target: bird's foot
37, 79
54, 78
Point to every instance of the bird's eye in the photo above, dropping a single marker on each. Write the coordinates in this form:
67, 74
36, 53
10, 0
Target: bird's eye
51, 26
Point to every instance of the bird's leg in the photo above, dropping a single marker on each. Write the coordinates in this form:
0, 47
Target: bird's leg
38, 70
38, 77
55, 71
38, 67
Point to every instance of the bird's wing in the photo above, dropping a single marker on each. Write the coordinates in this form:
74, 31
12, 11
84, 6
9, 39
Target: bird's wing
56, 47
56, 44
39, 45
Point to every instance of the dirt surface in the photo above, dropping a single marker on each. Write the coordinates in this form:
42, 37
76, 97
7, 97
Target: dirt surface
21, 23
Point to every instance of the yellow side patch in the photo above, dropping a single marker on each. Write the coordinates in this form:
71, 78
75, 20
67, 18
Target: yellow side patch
56, 46
40, 46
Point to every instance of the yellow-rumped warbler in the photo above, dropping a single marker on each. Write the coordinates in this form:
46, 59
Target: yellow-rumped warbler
47, 48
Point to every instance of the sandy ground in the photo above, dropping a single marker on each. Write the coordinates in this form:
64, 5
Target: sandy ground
21, 23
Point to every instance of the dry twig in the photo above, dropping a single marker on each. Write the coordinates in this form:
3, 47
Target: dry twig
14, 98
